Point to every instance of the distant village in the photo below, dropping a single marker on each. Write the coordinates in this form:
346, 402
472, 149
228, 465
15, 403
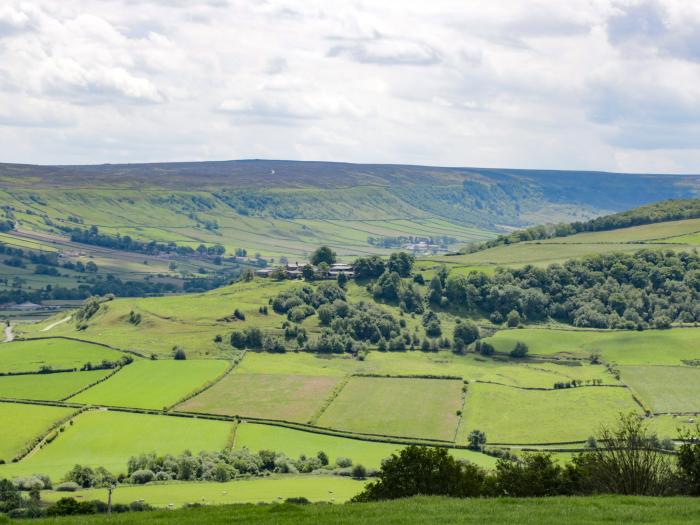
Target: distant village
297, 271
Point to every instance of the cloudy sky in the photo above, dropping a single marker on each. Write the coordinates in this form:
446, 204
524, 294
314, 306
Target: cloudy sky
588, 84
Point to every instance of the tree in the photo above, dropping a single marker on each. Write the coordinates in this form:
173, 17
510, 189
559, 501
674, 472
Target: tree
401, 263
537, 475
467, 331
323, 254
425, 471
368, 267
486, 349
476, 440
435, 291
308, 272
520, 350
342, 280
179, 354
513, 318
10, 498
689, 462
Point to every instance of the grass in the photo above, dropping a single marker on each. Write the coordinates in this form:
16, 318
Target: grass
313, 487
108, 439
152, 384
48, 387
426, 510
422, 408
30, 356
511, 415
665, 388
298, 363
296, 442
650, 347
274, 396
22, 423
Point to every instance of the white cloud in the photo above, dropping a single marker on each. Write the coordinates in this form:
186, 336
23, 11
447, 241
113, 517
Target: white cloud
592, 84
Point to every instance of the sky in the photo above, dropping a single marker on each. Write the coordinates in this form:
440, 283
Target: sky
576, 84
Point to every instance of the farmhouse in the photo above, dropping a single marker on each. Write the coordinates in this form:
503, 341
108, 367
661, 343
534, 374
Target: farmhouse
296, 271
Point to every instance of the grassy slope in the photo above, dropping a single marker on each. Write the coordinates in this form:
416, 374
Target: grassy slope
48, 387
510, 415
30, 356
108, 439
425, 510
22, 423
665, 388
424, 408
152, 384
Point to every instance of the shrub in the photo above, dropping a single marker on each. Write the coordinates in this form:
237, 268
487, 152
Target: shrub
536, 475
358, 472
520, 350
467, 332
343, 462
142, 476
67, 486
513, 319
179, 354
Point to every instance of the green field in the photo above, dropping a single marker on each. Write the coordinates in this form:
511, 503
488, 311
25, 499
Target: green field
665, 388
274, 396
422, 408
152, 384
326, 488
425, 510
296, 442
108, 439
22, 423
30, 356
650, 347
48, 387
298, 363
512, 415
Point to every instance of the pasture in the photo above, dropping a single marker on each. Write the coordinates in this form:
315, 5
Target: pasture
48, 387
275, 396
650, 347
152, 384
327, 488
666, 389
22, 423
516, 416
298, 363
421, 408
30, 356
296, 442
109, 438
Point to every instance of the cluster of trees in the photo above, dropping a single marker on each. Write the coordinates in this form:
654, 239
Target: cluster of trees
631, 463
392, 289
374, 266
94, 237
6, 225
398, 241
630, 291
669, 210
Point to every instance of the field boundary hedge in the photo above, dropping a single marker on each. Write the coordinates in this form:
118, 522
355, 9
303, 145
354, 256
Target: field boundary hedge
546, 389
68, 338
409, 376
232, 365
94, 383
40, 373
46, 437
337, 389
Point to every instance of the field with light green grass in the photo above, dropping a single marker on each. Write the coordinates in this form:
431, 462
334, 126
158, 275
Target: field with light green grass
108, 439
30, 356
326, 488
153, 384
298, 363
22, 423
420, 408
48, 387
293, 443
275, 396
666, 389
512, 415
650, 347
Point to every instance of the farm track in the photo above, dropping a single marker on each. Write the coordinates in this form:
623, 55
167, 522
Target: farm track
9, 334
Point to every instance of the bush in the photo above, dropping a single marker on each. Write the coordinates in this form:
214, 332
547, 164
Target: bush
358, 472
467, 332
142, 476
343, 462
179, 354
513, 319
536, 475
520, 350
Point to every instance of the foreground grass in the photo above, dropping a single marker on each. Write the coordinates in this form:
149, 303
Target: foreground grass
428, 510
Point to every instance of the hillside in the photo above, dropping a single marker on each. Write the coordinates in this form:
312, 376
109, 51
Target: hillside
284, 207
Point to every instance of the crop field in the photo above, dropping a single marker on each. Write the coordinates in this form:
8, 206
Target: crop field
512, 415
22, 423
326, 488
295, 442
30, 356
48, 387
662, 347
274, 396
665, 388
423, 408
152, 384
108, 439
